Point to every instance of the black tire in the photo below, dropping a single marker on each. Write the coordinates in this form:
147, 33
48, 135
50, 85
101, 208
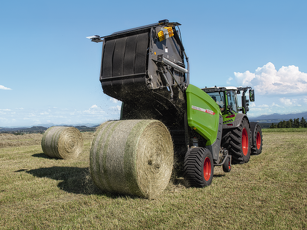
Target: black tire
256, 139
238, 142
198, 167
227, 165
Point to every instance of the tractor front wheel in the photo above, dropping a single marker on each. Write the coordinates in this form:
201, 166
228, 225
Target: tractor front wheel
227, 165
198, 167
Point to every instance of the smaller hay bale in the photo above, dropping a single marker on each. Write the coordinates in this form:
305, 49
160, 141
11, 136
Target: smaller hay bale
62, 142
133, 157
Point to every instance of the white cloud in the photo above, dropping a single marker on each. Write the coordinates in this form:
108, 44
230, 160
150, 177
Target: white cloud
285, 101
267, 80
276, 105
94, 109
29, 117
5, 88
263, 109
244, 78
229, 80
289, 102
115, 109
264, 106
252, 104
118, 107
113, 100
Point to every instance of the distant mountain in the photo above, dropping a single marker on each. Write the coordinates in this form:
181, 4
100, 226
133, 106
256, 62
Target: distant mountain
276, 117
42, 129
263, 119
34, 129
47, 125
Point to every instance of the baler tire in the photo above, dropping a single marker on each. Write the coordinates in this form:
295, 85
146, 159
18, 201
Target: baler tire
198, 167
227, 165
257, 140
238, 142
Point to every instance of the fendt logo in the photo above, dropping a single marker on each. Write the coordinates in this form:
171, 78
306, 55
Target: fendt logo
203, 110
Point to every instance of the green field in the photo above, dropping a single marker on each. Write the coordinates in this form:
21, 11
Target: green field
285, 130
269, 192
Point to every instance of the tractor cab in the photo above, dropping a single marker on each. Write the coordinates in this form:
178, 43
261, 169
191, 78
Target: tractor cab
226, 98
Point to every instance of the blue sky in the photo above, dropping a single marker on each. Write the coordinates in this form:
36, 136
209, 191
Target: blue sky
49, 71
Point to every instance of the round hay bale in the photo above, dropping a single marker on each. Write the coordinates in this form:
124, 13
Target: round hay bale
133, 157
62, 142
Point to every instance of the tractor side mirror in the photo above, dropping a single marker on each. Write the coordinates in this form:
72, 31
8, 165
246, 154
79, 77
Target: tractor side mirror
252, 95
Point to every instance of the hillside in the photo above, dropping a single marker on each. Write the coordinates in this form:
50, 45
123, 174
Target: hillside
276, 117
41, 129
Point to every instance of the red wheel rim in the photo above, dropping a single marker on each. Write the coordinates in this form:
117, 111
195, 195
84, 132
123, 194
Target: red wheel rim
244, 142
258, 140
207, 169
229, 167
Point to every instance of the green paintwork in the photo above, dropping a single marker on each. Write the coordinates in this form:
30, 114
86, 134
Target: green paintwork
205, 122
227, 113
228, 120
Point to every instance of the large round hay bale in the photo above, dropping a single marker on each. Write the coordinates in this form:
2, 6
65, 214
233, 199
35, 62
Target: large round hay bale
133, 157
62, 142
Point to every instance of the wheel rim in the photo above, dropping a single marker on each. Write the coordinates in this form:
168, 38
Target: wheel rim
229, 167
207, 169
244, 142
258, 140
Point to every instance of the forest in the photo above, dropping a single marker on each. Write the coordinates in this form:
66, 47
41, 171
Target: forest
296, 123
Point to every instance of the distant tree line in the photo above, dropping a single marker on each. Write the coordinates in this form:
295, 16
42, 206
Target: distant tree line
296, 123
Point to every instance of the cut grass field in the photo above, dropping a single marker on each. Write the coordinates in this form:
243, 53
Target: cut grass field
269, 192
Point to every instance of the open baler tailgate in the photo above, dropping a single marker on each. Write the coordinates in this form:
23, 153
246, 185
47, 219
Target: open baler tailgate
132, 61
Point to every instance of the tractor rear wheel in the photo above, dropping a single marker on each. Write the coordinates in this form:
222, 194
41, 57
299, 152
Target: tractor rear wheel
238, 142
256, 139
198, 167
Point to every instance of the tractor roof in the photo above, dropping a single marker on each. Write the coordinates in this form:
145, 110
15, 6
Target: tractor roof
219, 89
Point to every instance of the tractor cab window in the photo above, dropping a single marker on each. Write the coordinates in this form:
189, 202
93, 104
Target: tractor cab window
232, 100
218, 97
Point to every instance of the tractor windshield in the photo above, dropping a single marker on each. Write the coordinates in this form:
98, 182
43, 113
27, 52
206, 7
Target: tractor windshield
232, 100
218, 97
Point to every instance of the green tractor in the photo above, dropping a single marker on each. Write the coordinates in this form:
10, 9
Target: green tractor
241, 137
148, 70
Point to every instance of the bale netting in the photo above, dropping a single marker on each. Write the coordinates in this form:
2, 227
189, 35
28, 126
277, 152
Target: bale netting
62, 142
133, 157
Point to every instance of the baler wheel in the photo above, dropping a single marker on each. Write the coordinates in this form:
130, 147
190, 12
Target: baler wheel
227, 165
198, 167
238, 142
256, 139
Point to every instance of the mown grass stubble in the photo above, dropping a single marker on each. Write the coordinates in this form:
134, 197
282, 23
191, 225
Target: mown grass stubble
269, 192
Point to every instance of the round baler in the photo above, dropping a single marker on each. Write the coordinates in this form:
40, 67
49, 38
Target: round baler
147, 69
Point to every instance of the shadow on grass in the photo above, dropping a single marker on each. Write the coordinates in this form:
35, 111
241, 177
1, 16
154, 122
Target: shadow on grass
183, 182
73, 180
41, 155
219, 175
